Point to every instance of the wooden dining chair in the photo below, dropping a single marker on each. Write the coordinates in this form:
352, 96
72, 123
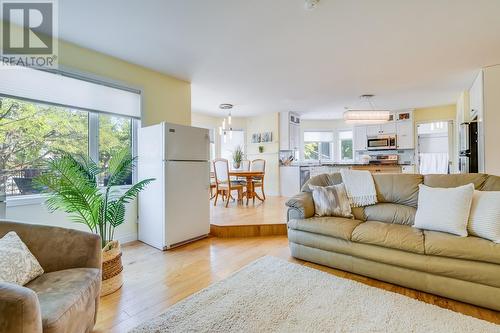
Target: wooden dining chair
245, 165
224, 186
259, 165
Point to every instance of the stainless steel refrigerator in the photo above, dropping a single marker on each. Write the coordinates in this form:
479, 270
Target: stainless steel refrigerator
468, 157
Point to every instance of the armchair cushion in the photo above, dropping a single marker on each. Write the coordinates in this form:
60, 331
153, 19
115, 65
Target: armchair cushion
67, 298
17, 263
301, 206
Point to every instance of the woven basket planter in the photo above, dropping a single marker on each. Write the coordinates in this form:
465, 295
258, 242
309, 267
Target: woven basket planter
112, 275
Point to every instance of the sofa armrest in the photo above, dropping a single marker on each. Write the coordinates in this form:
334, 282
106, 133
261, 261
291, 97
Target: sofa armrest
58, 248
19, 309
300, 206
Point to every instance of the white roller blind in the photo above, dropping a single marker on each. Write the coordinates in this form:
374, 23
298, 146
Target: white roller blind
318, 136
58, 89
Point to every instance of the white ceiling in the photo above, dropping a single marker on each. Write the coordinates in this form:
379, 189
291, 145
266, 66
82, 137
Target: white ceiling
268, 56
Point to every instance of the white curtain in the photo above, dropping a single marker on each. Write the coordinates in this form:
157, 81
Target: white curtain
432, 163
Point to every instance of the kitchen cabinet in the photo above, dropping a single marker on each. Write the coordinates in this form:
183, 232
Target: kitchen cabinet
408, 168
359, 136
405, 136
373, 168
289, 131
382, 129
476, 97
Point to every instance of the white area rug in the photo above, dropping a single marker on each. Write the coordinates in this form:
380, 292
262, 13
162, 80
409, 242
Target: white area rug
273, 295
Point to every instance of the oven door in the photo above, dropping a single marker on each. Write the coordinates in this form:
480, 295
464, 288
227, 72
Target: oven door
378, 143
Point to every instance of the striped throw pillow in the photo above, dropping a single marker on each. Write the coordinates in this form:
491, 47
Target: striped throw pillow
484, 219
331, 201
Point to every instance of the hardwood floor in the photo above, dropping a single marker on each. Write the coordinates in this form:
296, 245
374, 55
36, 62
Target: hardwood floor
154, 280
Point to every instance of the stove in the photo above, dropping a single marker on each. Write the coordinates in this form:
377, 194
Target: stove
384, 159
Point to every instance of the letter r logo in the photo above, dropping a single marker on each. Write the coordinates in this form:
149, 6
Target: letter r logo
27, 27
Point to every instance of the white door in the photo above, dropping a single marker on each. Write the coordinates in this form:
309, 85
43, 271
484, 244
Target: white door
186, 143
388, 128
151, 203
405, 136
187, 201
373, 130
360, 139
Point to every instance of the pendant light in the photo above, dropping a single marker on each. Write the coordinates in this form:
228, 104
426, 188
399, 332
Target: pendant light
366, 116
227, 127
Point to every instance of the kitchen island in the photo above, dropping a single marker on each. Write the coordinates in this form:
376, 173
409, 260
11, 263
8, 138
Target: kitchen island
292, 177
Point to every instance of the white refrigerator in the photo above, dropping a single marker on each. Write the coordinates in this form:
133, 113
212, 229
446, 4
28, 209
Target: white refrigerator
174, 209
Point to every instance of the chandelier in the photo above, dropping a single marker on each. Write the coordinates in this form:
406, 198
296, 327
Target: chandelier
227, 127
366, 116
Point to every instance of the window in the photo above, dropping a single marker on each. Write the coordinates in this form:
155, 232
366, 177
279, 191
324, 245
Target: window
318, 145
345, 144
115, 134
230, 142
31, 133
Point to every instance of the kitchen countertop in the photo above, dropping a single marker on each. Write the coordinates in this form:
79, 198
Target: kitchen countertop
341, 163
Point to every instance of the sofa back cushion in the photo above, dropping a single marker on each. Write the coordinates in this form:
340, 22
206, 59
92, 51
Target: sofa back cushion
398, 188
492, 183
456, 180
325, 179
390, 213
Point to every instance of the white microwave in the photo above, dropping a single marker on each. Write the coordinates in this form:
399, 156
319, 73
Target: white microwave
381, 142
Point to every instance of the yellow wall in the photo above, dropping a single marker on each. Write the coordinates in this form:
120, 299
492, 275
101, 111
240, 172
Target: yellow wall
164, 98
443, 112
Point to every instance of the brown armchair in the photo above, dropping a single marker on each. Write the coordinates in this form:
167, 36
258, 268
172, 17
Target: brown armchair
66, 297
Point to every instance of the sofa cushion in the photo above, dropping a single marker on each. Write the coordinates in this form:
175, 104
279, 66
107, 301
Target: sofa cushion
325, 179
390, 213
67, 298
401, 237
456, 180
339, 227
470, 248
492, 183
398, 188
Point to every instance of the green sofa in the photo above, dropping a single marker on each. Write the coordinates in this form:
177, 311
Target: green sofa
65, 298
381, 243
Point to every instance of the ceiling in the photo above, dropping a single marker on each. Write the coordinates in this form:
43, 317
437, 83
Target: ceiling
269, 56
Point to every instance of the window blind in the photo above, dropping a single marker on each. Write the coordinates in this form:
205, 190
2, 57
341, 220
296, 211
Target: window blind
318, 136
67, 91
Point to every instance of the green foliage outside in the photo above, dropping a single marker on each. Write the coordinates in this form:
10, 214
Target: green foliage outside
32, 133
311, 151
346, 149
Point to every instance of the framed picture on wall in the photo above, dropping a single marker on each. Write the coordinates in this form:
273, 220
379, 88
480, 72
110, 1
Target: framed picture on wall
256, 138
267, 137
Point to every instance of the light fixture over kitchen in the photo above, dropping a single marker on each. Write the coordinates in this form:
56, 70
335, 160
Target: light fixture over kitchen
366, 116
227, 127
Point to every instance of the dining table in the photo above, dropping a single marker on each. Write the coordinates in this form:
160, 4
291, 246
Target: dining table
250, 176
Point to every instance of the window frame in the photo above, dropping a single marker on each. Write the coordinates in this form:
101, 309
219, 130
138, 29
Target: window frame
93, 130
331, 143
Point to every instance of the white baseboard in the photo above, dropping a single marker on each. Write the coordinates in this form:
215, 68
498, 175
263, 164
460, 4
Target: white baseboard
127, 238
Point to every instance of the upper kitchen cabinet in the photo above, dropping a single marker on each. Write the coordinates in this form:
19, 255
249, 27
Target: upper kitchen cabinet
382, 129
405, 136
289, 131
360, 138
476, 97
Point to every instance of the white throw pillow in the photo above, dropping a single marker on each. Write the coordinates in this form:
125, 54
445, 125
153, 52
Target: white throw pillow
17, 264
484, 219
444, 209
331, 200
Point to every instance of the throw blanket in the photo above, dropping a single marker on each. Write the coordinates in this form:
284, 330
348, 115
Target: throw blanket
360, 187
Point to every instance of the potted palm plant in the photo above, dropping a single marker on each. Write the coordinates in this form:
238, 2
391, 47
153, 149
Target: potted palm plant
71, 184
237, 157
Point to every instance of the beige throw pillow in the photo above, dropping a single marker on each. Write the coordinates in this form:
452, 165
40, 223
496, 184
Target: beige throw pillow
331, 201
444, 209
484, 219
17, 264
